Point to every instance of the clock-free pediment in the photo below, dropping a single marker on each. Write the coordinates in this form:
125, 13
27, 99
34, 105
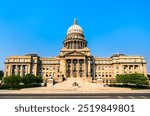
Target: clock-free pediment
75, 53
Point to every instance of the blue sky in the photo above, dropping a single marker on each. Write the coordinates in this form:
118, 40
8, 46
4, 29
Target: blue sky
39, 26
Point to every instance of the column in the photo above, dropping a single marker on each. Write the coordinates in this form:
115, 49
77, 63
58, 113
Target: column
139, 69
85, 70
89, 71
76, 44
67, 44
23, 67
78, 67
21, 70
80, 44
133, 71
134, 68
70, 45
71, 68
9, 71
16, 72
128, 69
29, 68
56, 71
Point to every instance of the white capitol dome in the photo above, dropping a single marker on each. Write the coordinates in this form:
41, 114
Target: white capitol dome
75, 28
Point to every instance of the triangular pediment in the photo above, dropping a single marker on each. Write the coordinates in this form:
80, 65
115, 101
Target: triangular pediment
75, 53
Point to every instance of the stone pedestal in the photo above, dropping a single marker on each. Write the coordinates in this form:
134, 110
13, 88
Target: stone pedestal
100, 82
50, 82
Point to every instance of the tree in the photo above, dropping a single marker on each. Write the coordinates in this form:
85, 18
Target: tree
28, 79
148, 75
12, 81
1, 74
38, 79
132, 79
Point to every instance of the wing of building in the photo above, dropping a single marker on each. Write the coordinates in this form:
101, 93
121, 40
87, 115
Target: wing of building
75, 61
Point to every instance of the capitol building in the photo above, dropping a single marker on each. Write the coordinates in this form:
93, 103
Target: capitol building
75, 61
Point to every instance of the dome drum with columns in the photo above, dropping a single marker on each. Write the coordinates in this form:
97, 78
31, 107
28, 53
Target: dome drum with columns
75, 37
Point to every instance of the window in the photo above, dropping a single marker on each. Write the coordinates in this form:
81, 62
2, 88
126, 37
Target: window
117, 67
58, 68
98, 68
106, 68
102, 68
47, 74
47, 68
51, 68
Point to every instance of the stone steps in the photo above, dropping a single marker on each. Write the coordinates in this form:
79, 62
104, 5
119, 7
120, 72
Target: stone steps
69, 82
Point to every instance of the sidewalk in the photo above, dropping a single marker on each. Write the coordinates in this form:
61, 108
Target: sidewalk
53, 90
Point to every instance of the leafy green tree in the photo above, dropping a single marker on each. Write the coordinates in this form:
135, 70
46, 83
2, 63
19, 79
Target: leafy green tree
1, 74
28, 79
38, 79
12, 81
148, 75
135, 79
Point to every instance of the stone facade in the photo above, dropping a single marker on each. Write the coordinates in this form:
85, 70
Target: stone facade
75, 61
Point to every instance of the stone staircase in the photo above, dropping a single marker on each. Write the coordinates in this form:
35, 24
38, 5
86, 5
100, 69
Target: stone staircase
82, 84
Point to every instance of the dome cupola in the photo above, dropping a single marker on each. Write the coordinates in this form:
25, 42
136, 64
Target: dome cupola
75, 28
75, 37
